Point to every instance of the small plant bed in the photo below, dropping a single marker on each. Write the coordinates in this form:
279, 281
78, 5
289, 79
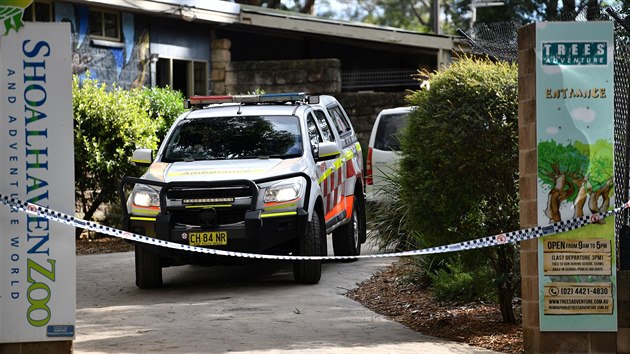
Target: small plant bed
478, 324
101, 244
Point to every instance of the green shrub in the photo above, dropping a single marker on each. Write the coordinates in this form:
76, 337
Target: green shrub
165, 105
453, 283
109, 124
459, 168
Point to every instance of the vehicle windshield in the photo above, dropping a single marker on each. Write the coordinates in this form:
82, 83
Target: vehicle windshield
389, 128
228, 138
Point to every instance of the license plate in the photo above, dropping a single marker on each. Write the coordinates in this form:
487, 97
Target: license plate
208, 238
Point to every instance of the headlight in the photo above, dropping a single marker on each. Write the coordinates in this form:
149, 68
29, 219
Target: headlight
145, 196
284, 191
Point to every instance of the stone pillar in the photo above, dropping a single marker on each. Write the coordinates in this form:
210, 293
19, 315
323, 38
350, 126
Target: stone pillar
534, 340
527, 183
220, 61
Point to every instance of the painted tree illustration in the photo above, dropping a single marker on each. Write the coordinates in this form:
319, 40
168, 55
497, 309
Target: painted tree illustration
576, 173
600, 177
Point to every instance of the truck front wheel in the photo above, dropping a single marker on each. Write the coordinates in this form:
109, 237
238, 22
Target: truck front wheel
309, 272
148, 268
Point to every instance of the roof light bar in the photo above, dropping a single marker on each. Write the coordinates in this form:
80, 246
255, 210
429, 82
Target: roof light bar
282, 97
199, 101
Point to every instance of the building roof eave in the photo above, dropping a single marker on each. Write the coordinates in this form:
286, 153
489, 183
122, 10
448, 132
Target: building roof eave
207, 10
257, 16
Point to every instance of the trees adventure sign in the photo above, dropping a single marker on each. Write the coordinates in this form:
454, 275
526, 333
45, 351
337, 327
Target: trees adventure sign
575, 110
574, 53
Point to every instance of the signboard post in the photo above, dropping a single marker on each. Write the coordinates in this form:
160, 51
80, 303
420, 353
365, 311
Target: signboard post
37, 256
575, 110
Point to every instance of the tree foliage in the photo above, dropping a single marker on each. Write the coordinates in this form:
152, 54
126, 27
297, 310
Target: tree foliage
109, 124
165, 105
459, 168
412, 15
555, 159
458, 12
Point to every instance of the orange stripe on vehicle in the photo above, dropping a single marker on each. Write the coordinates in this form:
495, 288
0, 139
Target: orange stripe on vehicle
336, 210
151, 208
272, 204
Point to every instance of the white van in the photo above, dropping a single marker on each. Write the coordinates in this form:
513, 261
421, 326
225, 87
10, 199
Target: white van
382, 156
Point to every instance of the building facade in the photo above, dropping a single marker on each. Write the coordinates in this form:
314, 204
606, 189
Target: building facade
171, 43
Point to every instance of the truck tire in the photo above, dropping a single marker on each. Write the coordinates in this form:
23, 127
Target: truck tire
148, 268
309, 272
347, 238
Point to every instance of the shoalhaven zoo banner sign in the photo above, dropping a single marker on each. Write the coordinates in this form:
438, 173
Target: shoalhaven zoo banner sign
575, 110
37, 256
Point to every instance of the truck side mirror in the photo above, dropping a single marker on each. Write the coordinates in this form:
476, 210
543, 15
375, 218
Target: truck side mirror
328, 150
142, 157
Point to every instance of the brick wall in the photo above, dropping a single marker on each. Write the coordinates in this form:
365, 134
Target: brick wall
311, 76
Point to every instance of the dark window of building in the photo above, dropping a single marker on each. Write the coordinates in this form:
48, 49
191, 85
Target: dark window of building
200, 78
163, 74
104, 24
179, 77
189, 77
38, 12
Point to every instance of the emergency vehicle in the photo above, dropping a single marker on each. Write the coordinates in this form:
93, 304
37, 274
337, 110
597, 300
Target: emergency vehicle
269, 174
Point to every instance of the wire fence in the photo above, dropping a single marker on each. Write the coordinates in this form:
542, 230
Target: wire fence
395, 79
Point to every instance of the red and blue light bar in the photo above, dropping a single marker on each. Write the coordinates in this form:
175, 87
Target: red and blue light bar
200, 101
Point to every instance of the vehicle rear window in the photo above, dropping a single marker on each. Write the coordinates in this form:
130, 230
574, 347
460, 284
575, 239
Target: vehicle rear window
241, 137
389, 128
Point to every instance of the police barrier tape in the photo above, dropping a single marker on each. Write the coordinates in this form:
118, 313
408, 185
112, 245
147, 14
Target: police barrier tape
489, 241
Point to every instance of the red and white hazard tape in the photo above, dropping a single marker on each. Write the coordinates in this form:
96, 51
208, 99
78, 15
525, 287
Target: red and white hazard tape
489, 241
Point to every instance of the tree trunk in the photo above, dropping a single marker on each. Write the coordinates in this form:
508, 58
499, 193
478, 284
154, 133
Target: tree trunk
90, 212
593, 11
308, 8
505, 303
552, 10
504, 273
554, 199
568, 10
580, 200
593, 203
81, 195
